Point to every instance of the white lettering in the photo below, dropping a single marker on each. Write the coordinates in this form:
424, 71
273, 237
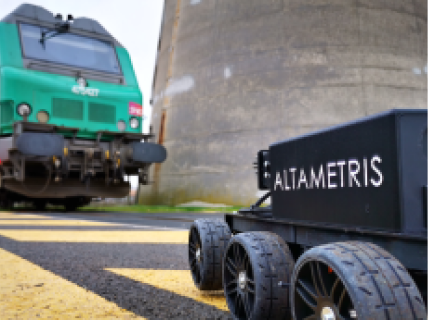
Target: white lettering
302, 179
278, 181
286, 186
353, 172
293, 178
365, 171
358, 175
92, 92
341, 164
75, 89
318, 180
331, 174
377, 183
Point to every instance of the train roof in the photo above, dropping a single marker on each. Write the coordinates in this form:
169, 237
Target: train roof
37, 14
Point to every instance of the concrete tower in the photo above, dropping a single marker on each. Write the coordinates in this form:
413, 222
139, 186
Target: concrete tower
233, 76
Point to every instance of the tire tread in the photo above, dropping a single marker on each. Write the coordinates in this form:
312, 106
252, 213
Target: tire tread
274, 262
215, 235
382, 279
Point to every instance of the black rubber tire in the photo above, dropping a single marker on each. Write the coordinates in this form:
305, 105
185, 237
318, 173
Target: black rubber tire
214, 235
378, 285
271, 266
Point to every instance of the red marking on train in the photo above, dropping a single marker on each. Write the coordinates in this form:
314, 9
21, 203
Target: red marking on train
135, 109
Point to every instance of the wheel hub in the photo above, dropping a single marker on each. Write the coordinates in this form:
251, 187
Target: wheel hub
327, 314
242, 280
198, 254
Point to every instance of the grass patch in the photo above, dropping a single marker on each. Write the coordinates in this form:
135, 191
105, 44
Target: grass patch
155, 209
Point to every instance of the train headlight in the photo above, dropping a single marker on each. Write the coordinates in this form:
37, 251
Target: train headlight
42, 116
23, 109
121, 125
81, 82
134, 123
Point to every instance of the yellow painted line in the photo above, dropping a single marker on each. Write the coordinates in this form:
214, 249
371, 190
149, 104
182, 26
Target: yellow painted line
131, 236
11, 215
28, 292
53, 222
176, 281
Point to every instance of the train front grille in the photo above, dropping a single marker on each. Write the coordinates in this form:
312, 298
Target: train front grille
67, 109
104, 113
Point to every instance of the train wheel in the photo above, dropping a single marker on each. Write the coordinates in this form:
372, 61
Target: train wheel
7, 204
350, 280
40, 205
257, 270
69, 206
6, 201
208, 239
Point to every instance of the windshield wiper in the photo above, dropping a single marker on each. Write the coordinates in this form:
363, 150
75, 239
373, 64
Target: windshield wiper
60, 27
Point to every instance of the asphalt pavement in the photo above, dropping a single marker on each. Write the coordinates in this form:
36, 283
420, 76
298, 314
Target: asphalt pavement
100, 265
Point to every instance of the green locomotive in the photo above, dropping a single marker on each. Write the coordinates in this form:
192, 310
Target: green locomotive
70, 112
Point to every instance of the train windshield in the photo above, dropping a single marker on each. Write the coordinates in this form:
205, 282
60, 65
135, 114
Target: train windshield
69, 49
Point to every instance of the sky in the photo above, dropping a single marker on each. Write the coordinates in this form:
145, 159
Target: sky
134, 23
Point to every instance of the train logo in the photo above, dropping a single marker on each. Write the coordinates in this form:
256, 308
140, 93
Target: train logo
135, 109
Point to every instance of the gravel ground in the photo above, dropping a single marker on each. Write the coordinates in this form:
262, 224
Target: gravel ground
84, 264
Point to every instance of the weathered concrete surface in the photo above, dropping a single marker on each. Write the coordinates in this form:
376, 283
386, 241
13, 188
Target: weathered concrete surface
234, 76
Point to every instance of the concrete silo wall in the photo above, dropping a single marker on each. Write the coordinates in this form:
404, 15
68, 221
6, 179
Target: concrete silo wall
233, 76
